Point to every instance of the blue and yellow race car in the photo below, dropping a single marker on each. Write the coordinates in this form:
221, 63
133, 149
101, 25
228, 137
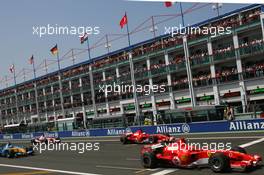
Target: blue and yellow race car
11, 151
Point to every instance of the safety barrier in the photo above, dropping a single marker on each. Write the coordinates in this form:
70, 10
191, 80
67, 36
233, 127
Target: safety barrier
198, 127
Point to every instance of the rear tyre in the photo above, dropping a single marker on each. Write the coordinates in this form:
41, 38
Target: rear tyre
123, 140
149, 160
58, 140
239, 149
33, 142
10, 154
219, 162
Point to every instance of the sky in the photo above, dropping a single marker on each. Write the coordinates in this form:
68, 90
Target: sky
18, 17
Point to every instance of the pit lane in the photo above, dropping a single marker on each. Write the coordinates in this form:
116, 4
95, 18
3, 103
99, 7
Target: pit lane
113, 158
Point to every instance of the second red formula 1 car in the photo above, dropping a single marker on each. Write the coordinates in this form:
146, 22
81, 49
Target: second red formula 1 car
46, 140
141, 137
180, 155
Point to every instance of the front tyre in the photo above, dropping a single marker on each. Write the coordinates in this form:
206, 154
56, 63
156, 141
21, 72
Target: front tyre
149, 160
219, 162
123, 140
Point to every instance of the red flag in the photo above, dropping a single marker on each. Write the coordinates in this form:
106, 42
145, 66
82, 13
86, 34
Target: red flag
168, 4
12, 68
123, 21
31, 60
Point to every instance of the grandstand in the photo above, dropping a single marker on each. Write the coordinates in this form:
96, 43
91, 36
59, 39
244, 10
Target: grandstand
225, 70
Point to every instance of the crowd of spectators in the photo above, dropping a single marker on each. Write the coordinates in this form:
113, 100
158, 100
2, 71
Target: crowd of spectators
223, 50
254, 69
253, 42
234, 21
250, 16
226, 74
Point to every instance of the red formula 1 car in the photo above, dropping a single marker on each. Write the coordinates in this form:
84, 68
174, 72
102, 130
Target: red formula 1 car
181, 156
141, 137
43, 139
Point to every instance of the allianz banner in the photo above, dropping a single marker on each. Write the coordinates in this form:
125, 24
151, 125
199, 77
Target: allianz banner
198, 127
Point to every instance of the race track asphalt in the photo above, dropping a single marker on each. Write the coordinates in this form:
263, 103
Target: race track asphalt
113, 158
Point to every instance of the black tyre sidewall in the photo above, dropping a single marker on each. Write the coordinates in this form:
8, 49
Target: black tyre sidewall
123, 139
152, 162
223, 160
10, 154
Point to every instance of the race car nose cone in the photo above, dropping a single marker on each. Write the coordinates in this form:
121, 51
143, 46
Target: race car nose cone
257, 157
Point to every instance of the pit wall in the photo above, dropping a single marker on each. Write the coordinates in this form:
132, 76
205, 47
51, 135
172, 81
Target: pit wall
184, 128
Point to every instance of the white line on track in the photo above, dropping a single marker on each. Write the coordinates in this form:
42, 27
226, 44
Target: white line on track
117, 167
217, 138
252, 143
163, 172
126, 168
45, 169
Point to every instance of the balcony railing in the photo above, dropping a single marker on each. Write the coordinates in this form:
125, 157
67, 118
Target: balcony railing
251, 49
227, 78
159, 71
204, 82
142, 75
199, 60
180, 86
224, 55
176, 67
253, 74
56, 95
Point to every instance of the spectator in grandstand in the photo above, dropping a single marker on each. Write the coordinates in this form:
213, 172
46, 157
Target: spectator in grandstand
253, 69
147, 121
230, 113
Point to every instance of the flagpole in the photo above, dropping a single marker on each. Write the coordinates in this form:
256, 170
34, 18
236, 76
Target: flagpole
60, 82
58, 58
73, 59
107, 44
46, 67
35, 86
187, 62
131, 65
34, 69
14, 74
88, 46
128, 35
24, 74
182, 16
153, 26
